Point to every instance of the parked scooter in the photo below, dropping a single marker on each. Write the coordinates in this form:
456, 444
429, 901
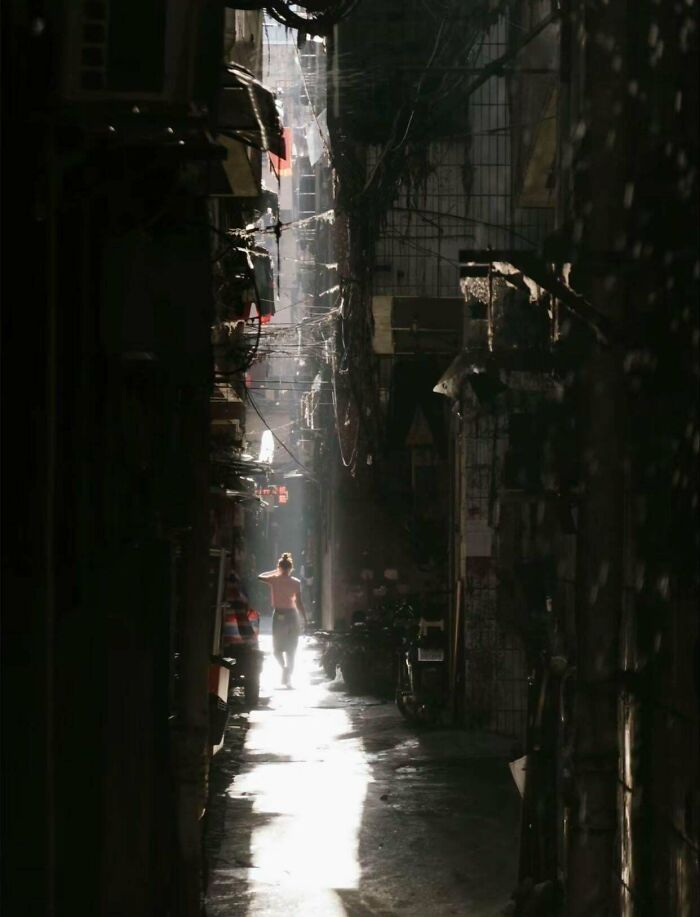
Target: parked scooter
328, 646
421, 686
367, 655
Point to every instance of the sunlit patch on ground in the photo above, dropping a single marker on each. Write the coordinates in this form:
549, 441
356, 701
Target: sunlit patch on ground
338, 809
308, 786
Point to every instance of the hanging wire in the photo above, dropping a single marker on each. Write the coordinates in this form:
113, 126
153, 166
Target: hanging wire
313, 111
348, 463
276, 437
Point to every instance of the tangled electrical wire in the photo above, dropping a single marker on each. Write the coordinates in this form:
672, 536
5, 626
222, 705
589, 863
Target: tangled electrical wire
321, 18
368, 196
280, 442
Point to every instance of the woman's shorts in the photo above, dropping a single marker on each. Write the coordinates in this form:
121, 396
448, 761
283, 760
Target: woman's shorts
285, 630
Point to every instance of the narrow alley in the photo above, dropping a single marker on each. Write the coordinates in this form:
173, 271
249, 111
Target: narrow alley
328, 805
367, 329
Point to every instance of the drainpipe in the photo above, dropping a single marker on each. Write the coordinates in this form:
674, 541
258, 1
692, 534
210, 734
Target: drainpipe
593, 855
456, 609
593, 864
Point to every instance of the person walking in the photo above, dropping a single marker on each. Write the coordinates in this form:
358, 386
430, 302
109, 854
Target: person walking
287, 604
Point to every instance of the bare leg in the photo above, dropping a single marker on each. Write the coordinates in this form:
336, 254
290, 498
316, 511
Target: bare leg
291, 653
277, 644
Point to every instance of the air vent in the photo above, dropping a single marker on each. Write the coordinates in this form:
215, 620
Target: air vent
129, 51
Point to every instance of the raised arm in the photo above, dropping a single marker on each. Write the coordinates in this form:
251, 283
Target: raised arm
266, 576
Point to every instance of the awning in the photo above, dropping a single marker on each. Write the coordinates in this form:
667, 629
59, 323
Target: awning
532, 268
482, 369
465, 364
247, 111
227, 494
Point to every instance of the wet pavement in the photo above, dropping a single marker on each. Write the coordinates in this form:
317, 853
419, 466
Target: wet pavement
326, 805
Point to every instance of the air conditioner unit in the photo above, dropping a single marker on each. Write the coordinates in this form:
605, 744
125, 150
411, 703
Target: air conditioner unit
130, 51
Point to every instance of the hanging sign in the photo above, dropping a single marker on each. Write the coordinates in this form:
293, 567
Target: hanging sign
275, 494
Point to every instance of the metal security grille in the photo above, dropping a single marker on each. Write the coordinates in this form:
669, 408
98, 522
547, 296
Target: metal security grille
418, 250
458, 193
496, 670
495, 218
